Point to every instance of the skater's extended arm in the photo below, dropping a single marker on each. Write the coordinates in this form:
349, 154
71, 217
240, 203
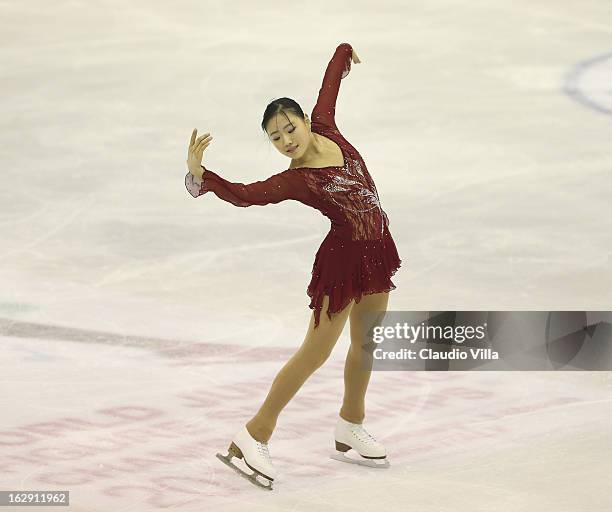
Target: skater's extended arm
280, 187
339, 66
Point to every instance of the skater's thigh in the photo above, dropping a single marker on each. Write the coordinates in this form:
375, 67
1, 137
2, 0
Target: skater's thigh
366, 314
320, 341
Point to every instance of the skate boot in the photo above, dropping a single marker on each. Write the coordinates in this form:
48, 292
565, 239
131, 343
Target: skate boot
352, 435
255, 455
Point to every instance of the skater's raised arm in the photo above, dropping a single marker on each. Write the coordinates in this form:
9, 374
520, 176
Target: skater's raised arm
339, 66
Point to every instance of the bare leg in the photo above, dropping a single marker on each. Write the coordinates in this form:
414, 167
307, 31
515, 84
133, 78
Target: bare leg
358, 366
311, 355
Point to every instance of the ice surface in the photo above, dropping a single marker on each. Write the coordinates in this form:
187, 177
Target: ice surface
133, 344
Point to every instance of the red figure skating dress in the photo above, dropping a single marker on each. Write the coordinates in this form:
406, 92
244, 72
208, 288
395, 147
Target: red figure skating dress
358, 256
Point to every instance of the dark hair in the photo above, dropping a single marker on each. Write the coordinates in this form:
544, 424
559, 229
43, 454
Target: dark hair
280, 105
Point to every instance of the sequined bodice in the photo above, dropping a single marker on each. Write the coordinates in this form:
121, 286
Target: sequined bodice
349, 197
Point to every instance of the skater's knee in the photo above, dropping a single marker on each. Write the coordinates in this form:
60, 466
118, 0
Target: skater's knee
319, 343
313, 356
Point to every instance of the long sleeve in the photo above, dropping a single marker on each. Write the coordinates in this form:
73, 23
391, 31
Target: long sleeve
279, 187
339, 66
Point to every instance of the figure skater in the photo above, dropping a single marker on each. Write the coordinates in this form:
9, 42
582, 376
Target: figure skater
351, 274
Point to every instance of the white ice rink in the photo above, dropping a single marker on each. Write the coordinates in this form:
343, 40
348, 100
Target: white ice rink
142, 327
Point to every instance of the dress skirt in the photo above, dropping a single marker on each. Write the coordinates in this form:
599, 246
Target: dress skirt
346, 270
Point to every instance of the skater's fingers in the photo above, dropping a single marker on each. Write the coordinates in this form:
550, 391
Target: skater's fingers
193, 137
191, 147
203, 143
199, 140
197, 146
201, 151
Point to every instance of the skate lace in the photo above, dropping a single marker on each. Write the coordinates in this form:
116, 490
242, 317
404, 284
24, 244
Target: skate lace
263, 449
363, 434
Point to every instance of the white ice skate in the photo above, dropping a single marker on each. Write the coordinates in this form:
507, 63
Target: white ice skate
255, 455
353, 435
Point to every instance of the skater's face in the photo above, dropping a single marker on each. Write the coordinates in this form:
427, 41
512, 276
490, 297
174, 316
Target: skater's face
289, 133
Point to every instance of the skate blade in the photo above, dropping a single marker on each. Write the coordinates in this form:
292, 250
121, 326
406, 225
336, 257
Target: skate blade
371, 463
226, 459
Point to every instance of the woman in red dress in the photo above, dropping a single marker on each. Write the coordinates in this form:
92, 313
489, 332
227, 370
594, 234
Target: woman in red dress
351, 274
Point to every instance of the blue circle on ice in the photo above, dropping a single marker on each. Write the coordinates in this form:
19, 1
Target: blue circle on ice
590, 82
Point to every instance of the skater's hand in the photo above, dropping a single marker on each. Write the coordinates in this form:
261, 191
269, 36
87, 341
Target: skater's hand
355, 58
196, 151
